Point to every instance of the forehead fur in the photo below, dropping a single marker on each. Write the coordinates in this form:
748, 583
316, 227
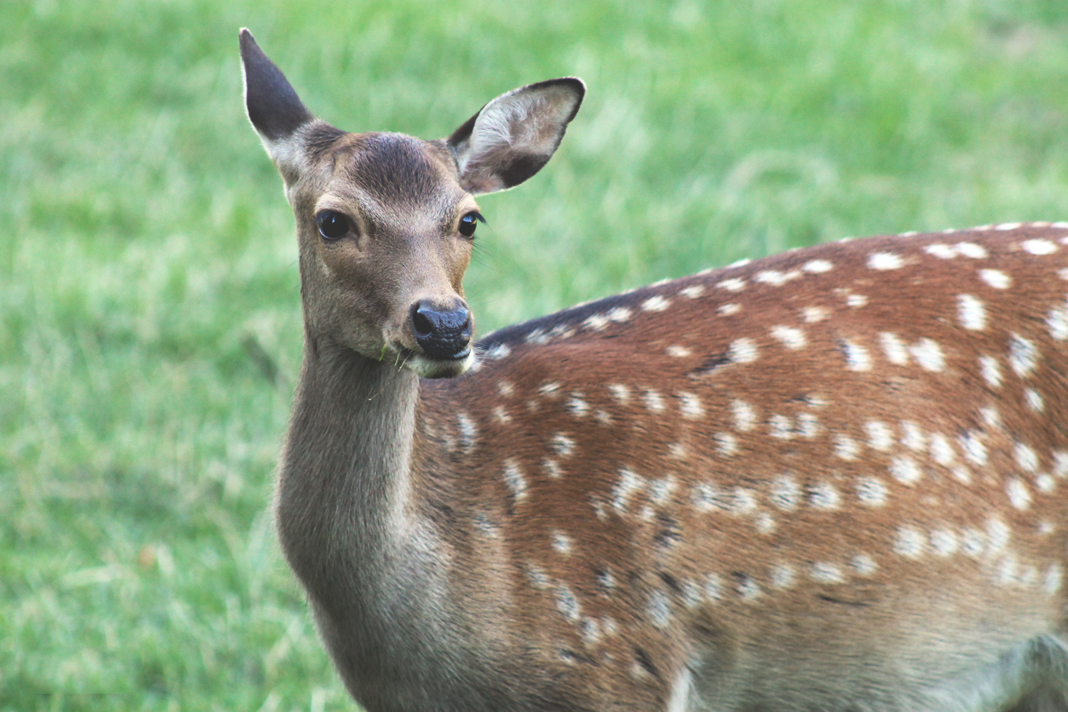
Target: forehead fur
398, 169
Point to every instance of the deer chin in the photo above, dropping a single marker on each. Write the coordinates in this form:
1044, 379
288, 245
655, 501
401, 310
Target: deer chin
427, 367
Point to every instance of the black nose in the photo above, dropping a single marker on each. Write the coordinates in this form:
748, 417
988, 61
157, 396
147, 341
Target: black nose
442, 333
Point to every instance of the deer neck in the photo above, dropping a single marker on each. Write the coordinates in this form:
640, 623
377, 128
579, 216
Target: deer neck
343, 499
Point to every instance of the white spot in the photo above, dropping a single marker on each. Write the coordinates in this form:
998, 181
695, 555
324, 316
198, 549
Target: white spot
785, 493
910, 542
566, 603
1019, 495
744, 502
783, 576
693, 291
944, 542
714, 588
732, 285
775, 277
808, 425
677, 451
654, 402
498, 352
991, 370
549, 390
813, 315
998, 533
563, 445
885, 261
513, 477
595, 322
729, 309
857, 357
894, 348
655, 304
678, 351
871, 492
995, 278
1007, 226
945, 252
928, 354
591, 631
706, 498
505, 388
765, 523
991, 416
971, 312
1054, 576
1045, 528
1026, 458
561, 542
905, 470
1057, 321
1045, 483
552, 469
619, 314
691, 593
864, 565
1039, 246
941, 449
857, 300
823, 572
845, 447
972, 250
578, 405
973, 446
660, 491
744, 351
880, 436
606, 580
680, 692
1060, 463
745, 417
538, 577
629, 483
726, 443
620, 392
468, 431
690, 405
825, 496
1023, 355
749, 589
781, 427
790, 337
911, 436
501, 415
971, 542
817, 266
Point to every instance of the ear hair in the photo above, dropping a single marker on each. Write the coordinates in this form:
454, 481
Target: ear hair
513, 136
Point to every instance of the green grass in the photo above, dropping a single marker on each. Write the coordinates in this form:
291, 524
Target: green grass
148, 281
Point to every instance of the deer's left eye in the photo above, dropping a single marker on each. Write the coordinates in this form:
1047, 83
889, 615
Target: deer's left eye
469, 222
332, 225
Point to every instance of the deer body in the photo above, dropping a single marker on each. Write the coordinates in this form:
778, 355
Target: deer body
834, 479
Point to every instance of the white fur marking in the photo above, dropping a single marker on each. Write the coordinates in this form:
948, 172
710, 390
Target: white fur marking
995, 278
971, 312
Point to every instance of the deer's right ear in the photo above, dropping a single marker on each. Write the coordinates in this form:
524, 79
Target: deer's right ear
273, 107
513, 136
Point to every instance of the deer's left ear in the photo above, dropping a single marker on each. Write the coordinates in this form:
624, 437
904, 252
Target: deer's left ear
513, 136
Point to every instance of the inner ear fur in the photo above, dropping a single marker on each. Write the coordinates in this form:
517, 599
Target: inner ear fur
513, 136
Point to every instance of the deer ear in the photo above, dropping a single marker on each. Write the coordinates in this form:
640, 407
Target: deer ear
274, 108
513, 136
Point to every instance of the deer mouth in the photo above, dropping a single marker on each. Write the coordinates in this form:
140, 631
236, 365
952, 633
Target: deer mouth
427, 367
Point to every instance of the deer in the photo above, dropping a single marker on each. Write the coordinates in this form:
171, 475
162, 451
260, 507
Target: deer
828, 480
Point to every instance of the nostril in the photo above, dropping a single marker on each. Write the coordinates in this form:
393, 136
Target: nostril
421, 323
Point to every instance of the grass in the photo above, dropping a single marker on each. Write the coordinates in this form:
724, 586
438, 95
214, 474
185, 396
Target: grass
149, 321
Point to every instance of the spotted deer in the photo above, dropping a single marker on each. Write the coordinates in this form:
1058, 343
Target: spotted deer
833, 479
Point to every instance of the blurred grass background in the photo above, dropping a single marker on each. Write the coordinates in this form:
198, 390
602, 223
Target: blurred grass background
149, 317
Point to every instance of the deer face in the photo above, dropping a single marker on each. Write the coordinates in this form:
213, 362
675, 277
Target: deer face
386, 232
386, 221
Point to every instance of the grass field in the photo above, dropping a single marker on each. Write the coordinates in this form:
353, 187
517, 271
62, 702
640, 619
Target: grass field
149, 317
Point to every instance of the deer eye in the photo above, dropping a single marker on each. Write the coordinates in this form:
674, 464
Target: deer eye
332, 225
469, 222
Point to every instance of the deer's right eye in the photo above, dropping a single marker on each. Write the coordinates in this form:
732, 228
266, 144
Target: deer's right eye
332, 225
